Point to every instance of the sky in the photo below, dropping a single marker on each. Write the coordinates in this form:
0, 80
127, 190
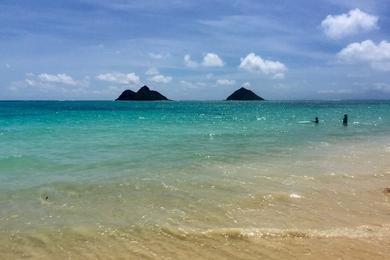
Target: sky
194, 49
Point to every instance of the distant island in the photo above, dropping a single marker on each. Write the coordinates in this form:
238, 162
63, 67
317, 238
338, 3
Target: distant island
143, 94
146, 94
244, 94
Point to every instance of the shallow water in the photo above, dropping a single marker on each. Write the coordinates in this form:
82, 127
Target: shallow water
194, 180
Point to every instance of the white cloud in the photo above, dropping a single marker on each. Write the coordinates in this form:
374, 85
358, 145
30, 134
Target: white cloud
246, 84
255, 63
47, 82
212, 60
335, 91
161, 79
189, 62
120, 78
353, 22
56, 78
209, 60
193, 85
226, 82
376, 55
156, 76
31, 82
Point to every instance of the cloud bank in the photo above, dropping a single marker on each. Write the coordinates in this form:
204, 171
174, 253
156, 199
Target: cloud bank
376, 55
226, 82
255, 63
160, 79
56, 78
46, 80
353, 22
157, 77
209, 60
120, 78
212, 60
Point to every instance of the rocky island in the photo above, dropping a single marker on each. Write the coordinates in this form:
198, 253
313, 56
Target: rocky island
143, 94
244, 94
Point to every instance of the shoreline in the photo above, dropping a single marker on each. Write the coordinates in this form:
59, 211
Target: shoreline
158, 243
359, 238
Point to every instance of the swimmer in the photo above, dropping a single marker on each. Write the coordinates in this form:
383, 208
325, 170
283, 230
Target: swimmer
345, 120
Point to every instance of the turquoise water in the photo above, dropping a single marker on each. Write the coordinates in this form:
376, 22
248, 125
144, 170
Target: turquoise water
92, 142
179, 164
82, 140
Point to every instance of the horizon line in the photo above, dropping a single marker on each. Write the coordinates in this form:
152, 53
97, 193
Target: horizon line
185, 100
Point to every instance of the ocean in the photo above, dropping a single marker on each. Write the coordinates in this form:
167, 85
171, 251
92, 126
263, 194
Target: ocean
201, 180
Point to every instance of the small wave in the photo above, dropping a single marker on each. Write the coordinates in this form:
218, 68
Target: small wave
295, 196
261, 200
13, 156
364, 231
156, 242
211, 135
169, 187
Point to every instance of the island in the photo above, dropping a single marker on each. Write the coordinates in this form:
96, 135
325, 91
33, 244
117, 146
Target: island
244, 94
143, 94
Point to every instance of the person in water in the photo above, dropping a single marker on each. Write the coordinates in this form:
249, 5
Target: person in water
316, 120
345, 120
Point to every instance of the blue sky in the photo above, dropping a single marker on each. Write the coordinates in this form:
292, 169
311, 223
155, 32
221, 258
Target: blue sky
94, 49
